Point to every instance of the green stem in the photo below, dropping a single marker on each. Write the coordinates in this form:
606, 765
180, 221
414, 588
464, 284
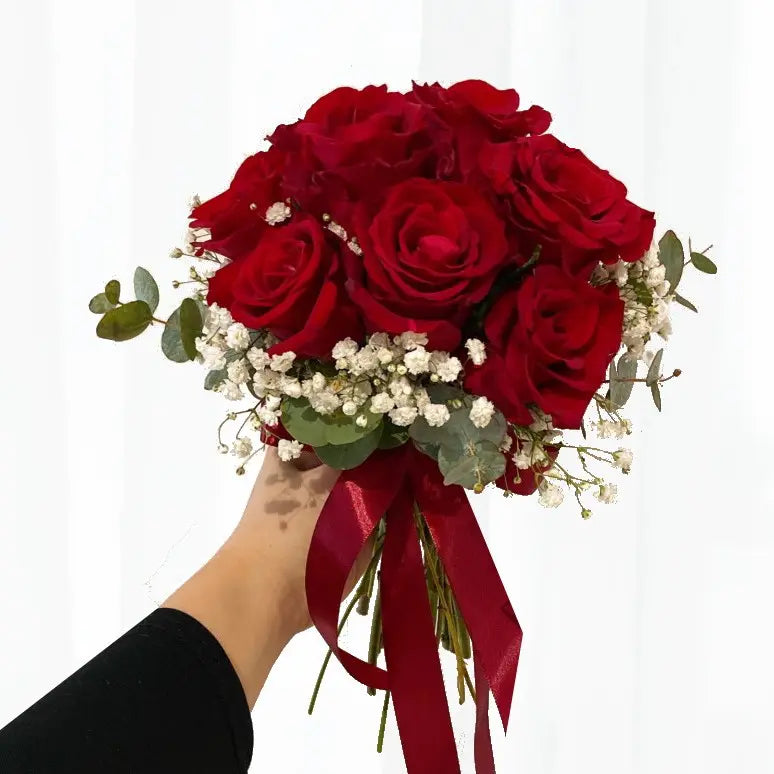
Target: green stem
376, 636
455, 646
383, 722
350, 607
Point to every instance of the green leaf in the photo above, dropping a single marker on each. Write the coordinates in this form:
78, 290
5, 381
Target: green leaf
190, 326
303, 422
392, 435
113, 291
145, 288
480, 464
655, 391
654, 372
685, 302
350, 455
172, 342
703, 263
672, 256
125, 322
341, 429
621, 388
430, 449
214, 378
100, 304
443, 393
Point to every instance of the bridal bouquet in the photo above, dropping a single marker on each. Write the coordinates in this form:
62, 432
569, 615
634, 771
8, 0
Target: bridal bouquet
432, 294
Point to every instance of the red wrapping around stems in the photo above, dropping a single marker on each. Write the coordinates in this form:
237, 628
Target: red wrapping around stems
390, 482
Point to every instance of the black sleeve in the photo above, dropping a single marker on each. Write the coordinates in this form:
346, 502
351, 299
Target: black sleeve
162, 698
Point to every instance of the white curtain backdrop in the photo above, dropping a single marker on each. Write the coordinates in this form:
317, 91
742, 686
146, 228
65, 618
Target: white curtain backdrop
648, 633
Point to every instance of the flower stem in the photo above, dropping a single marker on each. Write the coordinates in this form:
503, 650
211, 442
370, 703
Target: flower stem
383, 722
347, 612
447, 605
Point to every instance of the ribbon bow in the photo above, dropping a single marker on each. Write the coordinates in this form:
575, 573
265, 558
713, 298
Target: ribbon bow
391, 482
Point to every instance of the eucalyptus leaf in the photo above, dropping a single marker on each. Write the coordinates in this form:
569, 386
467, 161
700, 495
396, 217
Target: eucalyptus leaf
430, 449
100, 304
303, 422
479, 464
342, 429
654, 372
703, 263
685, 302
214, 378
443, 393
350, 455
392, 435
672, 256
625, 372
655, 391
171, 340
125, 322
190, 326
113, 291
145, 288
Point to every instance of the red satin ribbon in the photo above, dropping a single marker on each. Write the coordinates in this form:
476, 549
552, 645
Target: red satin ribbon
390, 482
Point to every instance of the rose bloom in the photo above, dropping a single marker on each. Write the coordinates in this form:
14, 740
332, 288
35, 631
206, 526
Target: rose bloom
549, 344
236, 216
562, 201
290, 284
351, 144
430, 252
476, 112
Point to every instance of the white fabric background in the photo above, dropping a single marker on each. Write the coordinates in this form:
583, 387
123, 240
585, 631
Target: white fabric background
648, 631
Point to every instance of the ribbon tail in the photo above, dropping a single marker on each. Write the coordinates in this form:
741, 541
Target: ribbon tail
477, 586
353, 509
411, 651
482, 741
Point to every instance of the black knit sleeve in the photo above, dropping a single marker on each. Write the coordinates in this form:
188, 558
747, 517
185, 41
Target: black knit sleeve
164, 697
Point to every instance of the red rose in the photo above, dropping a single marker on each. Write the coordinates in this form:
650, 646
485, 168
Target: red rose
477, 112
236, 216
550, 342
523, 482
290, 284
559, 199
351, 144
429, 253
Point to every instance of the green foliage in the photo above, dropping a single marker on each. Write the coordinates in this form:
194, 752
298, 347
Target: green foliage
672, 256
466, 454
113, 291
145, 288
655, 391
190, 326
685, 302
100, 304
621, 379
703, 263
171, 340
654, 372
479, 464
214, 378
336, 429
392, 435
125, 322
349, 455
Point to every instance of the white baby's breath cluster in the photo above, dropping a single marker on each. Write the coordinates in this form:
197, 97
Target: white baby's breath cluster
386, 375
544, 453
646, 295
